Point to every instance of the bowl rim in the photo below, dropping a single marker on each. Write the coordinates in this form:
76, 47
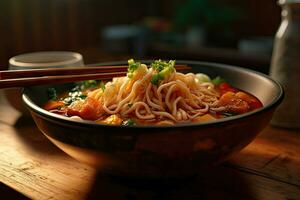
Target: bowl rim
23, 61
86, 123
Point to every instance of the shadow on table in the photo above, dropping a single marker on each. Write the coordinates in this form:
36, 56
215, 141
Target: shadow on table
24, 121
217, 183
29, 134
9, 193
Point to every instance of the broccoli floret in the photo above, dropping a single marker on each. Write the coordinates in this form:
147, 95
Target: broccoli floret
163, 69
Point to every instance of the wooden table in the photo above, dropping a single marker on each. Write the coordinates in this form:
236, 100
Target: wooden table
269, 168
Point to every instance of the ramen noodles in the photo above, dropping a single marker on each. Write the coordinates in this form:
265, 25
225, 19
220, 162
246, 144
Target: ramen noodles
152, 95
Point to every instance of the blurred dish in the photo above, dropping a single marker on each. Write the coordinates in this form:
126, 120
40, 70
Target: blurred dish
38, 60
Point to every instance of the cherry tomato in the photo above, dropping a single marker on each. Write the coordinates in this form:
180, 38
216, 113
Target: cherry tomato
225, 87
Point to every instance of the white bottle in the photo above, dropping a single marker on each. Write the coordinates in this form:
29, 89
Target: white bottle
285, 65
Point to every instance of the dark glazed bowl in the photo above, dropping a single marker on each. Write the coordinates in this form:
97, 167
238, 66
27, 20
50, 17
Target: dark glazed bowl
161, 152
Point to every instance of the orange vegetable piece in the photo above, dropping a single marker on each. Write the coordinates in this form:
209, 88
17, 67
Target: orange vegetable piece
51, 105
113, 120
233, 103
252, 101
226, 98
204, 118
90, 109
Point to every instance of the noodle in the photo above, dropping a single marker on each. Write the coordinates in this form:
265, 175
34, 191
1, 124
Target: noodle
157, 94
171, 99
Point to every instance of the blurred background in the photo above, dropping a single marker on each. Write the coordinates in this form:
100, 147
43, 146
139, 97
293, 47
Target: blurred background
227, 31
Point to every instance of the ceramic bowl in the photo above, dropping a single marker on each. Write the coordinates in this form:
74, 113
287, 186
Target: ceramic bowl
161, 151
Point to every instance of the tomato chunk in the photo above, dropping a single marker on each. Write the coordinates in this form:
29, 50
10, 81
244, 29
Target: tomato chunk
225, 87
233, 103
252, 101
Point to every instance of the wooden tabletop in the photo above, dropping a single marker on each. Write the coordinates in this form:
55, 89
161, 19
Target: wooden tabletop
268, 168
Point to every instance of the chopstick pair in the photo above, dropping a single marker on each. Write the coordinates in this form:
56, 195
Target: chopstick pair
24, 78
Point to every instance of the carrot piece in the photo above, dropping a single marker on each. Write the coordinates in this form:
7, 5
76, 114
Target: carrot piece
113, 120
51, 105
204, 118
90, 109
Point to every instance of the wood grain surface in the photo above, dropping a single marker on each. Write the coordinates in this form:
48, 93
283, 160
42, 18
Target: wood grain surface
268, 168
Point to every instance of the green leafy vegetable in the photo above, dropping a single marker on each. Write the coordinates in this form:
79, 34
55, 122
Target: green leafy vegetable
52, 93
128, 122
218, 80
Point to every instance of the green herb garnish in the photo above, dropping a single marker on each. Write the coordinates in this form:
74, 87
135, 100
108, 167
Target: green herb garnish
102, 85
83, 85
156, 78
159, 65
218, 80
128, 122
163, 70
74, 96
52, 93
132, 66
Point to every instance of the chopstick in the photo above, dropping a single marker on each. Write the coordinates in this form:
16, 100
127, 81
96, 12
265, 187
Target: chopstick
25, 82
24, 78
